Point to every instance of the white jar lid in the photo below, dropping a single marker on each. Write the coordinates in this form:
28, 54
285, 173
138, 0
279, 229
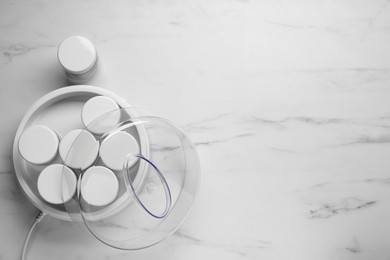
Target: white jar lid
79, 149
77, 54
115, 148
99, 186
38, 144
57, 184
96, 107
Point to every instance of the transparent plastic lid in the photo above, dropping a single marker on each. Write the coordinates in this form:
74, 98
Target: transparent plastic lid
141, 184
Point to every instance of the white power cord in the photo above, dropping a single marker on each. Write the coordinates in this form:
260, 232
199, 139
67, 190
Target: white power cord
38, 219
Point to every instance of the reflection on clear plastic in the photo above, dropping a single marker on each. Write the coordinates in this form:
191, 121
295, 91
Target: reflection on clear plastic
151, 200
157, 186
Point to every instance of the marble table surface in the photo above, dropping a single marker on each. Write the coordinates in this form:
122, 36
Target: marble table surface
288, 103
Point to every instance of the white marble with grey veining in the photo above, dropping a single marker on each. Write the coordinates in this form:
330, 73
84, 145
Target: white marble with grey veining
288, 103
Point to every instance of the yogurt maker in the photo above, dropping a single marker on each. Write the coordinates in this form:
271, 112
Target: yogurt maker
83, 154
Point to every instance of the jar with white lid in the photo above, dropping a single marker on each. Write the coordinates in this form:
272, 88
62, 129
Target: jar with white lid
78, 57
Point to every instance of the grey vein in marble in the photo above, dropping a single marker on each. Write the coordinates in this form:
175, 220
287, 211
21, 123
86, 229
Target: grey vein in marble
301, 119
382, 139
14, 50
326, 29
355, 247
233, 248
328, 210
212, 142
